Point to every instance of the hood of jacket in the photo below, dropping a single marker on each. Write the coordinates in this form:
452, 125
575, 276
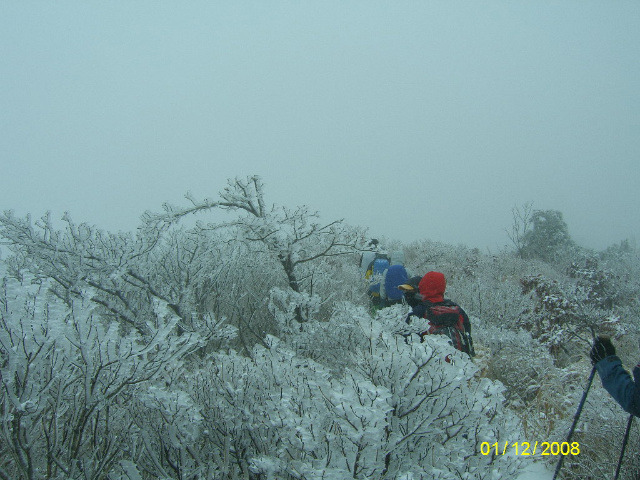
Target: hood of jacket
432, 287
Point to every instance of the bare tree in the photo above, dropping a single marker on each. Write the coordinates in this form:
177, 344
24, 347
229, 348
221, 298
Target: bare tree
293, 237
522, 223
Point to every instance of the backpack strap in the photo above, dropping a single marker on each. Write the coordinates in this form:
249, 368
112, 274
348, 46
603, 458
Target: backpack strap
443, 314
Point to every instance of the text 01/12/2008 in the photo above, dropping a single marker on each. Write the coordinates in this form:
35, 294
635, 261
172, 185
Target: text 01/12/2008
528, 448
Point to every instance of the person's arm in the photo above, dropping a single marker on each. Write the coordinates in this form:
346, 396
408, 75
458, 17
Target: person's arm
417, 311
618, 382
467, 331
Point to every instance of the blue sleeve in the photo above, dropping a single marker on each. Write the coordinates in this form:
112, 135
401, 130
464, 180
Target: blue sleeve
618, 382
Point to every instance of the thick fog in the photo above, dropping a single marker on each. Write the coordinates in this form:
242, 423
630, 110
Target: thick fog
415, 119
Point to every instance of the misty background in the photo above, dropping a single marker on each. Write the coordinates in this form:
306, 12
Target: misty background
415, 119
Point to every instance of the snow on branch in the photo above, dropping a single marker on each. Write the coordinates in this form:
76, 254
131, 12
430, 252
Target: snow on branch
292, 237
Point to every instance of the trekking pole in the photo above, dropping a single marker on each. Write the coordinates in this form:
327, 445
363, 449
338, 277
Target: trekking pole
624, 446
575, 419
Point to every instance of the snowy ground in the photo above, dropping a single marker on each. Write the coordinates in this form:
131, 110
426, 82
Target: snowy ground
536, 471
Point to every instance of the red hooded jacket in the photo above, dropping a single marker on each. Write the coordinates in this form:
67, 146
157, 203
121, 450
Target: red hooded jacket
432, 287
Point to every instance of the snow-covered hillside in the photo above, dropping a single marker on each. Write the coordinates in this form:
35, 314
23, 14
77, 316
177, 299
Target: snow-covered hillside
251, 350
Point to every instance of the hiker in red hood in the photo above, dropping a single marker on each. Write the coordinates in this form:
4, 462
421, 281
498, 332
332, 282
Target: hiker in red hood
445, 317
432, 287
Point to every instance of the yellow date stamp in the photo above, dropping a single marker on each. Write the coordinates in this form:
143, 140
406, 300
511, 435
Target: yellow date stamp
529, 448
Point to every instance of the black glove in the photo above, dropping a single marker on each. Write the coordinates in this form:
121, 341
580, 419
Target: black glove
602, 347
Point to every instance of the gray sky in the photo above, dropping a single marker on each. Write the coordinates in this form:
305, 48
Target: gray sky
417, 119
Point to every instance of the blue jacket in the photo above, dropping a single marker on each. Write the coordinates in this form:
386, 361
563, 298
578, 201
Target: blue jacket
617, 381
396, 275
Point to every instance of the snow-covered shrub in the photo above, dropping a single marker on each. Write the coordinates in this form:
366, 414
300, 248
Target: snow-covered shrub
69, 379
544, 395
283, 305
381, 408
283, 416
442, 412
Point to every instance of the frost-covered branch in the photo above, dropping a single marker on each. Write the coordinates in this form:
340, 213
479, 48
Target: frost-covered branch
290, 237
66, 378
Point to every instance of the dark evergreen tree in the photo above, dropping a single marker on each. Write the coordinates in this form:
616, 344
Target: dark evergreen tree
548, 237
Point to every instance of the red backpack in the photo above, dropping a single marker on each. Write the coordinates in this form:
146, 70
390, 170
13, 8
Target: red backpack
447, 318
